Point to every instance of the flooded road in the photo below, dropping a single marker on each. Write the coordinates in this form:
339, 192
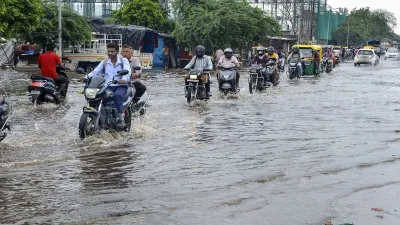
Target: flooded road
303, 152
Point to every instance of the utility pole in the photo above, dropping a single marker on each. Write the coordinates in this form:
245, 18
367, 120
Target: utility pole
348, 30
59, 28
312, 19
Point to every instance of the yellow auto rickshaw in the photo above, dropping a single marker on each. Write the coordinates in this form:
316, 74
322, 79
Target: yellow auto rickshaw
307, 59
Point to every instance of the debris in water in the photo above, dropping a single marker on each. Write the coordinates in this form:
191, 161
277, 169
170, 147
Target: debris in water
377, 209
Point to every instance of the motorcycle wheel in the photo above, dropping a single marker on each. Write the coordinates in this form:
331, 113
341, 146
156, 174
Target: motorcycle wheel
128, 118
189, 95
250, 86
87, 125
291, 75
35, 100
226, 91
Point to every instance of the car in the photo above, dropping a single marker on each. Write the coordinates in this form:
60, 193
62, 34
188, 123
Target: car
366, 56
391, 53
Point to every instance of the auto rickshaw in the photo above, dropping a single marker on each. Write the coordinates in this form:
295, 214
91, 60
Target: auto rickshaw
306, 53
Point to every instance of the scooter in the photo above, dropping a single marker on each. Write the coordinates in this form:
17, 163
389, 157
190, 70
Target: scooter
227, 79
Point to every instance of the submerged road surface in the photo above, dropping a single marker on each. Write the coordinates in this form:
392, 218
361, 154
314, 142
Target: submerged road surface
301, 153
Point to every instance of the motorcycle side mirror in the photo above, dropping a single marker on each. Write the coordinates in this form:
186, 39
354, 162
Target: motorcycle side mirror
123, 72
137, 68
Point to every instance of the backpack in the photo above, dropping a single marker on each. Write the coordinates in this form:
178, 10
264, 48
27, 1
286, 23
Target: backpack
105, 63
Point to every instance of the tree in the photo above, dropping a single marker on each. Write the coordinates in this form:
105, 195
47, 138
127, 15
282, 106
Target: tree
19, 15
75, 28
364, 24
222, 23
145, 13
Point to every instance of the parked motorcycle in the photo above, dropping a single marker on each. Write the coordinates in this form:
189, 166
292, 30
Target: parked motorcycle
44, 90
227, 79
5, 115
326, 65
256, 79
100, 113
196, 89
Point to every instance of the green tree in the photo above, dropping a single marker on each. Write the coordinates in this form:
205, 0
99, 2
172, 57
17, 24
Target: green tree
364, 24
75, 28
222, 23
19, 15
145, 13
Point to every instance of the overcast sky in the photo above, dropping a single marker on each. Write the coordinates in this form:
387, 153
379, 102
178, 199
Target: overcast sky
390, 5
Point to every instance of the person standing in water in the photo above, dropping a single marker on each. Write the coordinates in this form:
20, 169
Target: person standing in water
166, 57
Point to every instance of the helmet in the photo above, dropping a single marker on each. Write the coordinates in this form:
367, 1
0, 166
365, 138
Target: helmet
270, 50
228, 53
295, 49
200, 51
260, 51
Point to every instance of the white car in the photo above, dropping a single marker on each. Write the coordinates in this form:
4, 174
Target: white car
392, 53
366, 56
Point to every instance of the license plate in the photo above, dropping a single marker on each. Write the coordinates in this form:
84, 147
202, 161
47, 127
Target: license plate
35, 92
196, 81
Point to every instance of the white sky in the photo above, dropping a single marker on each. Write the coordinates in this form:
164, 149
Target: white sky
389, 5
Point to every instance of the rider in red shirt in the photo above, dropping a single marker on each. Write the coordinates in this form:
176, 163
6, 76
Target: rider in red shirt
49, 62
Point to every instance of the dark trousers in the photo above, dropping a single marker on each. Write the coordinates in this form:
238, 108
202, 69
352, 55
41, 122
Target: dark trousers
62, 83
140, 89
119, 94
316, 67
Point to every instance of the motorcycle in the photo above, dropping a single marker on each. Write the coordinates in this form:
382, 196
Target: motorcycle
100, 112
293, 70
256, 79
44, 90
337, 60
196, 89
5, 115
227, 79
270, 71
326, 65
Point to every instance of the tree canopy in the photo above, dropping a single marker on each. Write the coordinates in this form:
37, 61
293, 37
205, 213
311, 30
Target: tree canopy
147, 13
19, 15
221, 23
366, 24
75, 28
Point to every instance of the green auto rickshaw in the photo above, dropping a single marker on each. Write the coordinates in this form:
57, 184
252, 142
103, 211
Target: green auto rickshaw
307, 59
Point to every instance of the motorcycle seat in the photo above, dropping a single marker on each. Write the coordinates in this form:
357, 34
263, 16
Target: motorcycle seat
40, 77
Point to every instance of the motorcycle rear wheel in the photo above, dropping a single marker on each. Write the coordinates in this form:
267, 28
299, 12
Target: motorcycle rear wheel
87, 125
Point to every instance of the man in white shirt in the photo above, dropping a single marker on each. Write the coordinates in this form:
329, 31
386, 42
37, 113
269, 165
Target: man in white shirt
110, 67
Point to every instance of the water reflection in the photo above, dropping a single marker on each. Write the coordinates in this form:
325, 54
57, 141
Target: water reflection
107, 169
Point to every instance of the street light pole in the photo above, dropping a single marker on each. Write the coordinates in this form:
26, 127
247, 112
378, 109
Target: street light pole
59, 28
348, 30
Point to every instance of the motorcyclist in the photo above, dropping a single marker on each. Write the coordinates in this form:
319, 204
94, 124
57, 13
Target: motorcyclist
295, 56
273, 56
49, 62
261, 59
200, 61
228, 57
135, 76
328, 54
110, 67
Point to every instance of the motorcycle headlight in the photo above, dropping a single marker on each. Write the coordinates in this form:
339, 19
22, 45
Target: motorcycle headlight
91, 93
193, 77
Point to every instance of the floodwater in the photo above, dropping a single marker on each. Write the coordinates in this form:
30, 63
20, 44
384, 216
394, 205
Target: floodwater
303, 152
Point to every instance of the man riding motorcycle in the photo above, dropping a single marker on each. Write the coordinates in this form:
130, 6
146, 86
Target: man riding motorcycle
135, 76
273, 56
261, 59
200, 61
48, 63
110, 67
228, 57
295, 56
328, 54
